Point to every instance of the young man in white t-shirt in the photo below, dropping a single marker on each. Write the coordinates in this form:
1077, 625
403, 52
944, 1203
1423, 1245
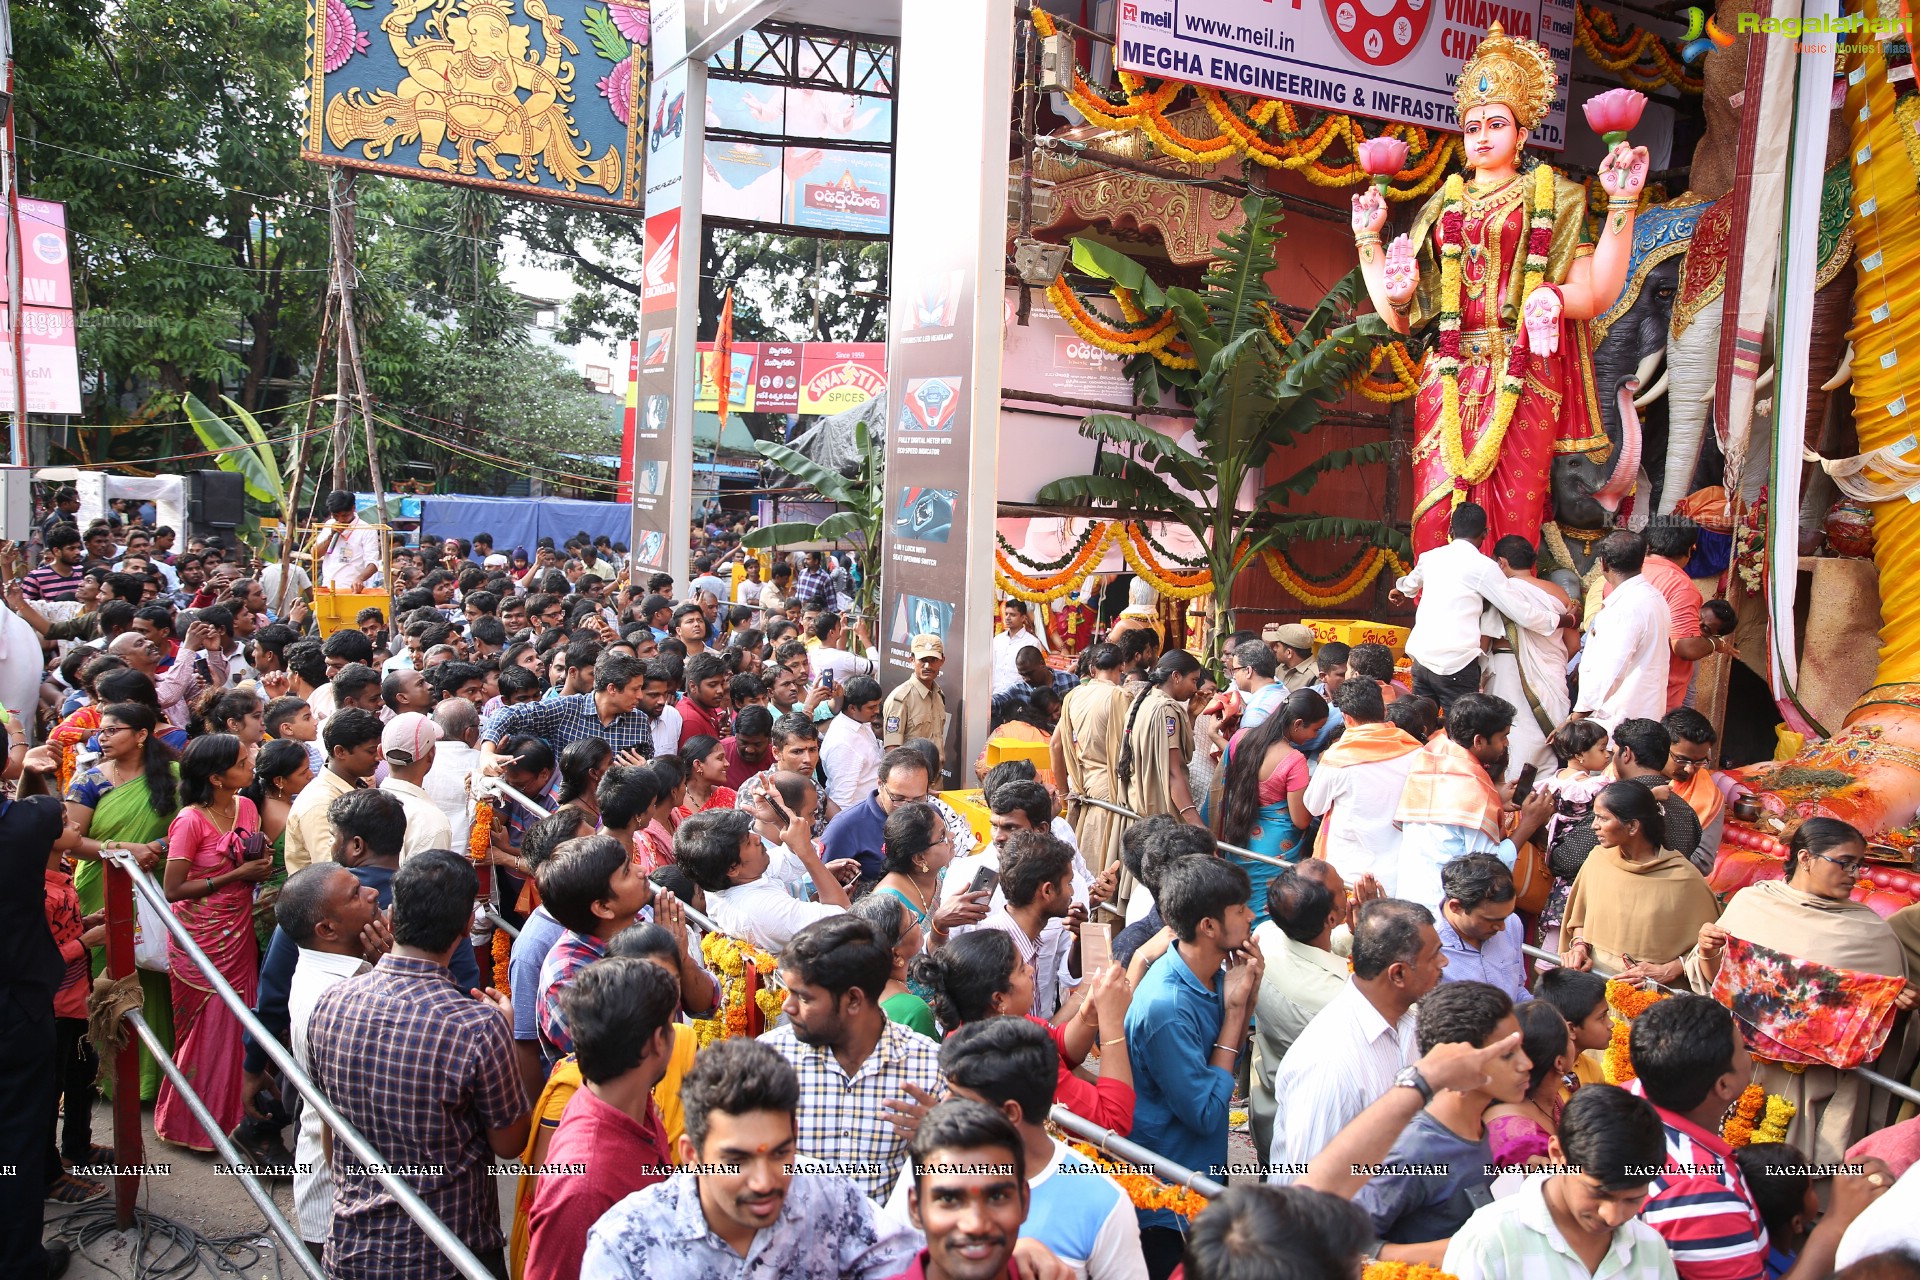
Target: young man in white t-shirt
725, 855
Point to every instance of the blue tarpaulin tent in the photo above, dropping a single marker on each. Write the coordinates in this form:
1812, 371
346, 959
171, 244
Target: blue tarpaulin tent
522, 522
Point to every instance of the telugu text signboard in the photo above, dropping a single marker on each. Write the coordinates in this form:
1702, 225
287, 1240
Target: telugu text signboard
1392, 59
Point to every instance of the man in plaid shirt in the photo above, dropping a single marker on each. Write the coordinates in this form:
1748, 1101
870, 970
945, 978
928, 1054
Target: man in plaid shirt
426, 1073
860, 1071
611, 713
814, 590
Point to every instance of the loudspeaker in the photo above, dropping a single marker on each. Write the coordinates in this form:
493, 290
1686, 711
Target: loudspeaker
16, 503
215, 500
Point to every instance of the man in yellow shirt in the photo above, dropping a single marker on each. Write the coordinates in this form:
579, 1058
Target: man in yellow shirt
352, 740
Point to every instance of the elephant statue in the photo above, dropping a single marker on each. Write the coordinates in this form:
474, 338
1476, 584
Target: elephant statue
1656, 359
829, 441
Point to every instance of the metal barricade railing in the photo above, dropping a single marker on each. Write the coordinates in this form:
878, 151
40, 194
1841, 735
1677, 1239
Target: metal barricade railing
1113, 1144
124, 878
1872, 1077
1234, 849
539, 811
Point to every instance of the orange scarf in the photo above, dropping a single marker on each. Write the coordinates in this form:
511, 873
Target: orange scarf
1368, 744
1449, 787
1700, 792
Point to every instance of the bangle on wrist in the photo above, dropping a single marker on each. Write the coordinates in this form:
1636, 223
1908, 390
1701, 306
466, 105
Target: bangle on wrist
1115, 1040
1229, 1048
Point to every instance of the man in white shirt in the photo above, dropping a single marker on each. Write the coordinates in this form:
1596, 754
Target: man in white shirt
330, 916
725, 855
348, 549
656, 699
455, 757
849, 750
1455, 584
1036, 879
1356, 789
830, 629
297, 584
1305, 942
1524, 667
1354, 1047
1007, 644
1623, 665
407, 745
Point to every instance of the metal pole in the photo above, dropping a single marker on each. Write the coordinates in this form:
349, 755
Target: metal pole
437, 1231
1233, 849
1132, 1152
128, 1139
16, 305
1872, 1077
296, 1247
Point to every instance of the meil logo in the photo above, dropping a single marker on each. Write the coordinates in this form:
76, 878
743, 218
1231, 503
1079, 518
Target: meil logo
1130, 12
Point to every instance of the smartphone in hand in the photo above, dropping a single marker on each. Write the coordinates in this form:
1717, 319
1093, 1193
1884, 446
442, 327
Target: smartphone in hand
985, 880
1523, 785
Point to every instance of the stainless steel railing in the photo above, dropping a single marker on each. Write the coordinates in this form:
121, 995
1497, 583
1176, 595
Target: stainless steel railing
1113, 1144
443, 1238
1234, 849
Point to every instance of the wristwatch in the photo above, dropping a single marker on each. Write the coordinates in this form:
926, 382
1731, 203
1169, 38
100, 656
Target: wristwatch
1411, 1078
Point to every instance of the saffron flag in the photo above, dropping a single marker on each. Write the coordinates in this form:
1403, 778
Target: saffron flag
723, 358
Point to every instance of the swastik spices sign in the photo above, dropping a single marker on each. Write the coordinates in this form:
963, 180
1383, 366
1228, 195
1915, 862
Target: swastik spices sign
836, 376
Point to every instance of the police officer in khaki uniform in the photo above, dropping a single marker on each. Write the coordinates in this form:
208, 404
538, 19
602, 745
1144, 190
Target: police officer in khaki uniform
1293, 646
916, 708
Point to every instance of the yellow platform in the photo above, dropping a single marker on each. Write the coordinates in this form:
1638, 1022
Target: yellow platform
337, 610
1352, 631
968, 805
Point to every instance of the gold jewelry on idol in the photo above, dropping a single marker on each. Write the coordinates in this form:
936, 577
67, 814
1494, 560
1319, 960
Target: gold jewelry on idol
1510, 70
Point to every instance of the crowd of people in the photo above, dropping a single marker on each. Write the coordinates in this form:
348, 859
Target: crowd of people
459, 860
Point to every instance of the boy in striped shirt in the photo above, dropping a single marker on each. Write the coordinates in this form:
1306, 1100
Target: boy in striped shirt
1690, 1061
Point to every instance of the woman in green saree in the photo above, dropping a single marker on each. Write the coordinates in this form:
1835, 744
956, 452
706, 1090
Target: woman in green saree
125, 800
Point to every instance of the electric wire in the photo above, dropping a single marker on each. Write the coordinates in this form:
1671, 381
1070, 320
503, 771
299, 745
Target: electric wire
163, 1248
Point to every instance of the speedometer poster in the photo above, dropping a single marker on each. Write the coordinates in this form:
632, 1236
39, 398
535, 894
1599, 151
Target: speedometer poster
1388, 59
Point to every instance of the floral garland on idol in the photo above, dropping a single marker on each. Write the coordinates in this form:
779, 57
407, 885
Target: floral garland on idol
749, 997
1627, 1002
1472, 469
1758, 1116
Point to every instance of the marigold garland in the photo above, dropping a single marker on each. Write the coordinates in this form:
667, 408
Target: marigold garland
1627, 1002
1348, 585
730, 958
1737, 1129
1780, 1114
1472, 469
502, 961
1145, 1190
1404, 1271
1597, 34
480, 835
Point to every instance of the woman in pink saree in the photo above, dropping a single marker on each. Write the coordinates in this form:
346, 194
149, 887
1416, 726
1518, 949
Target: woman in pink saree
215, 856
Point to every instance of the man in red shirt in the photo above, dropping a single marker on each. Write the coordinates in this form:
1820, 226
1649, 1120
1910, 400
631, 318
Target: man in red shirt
969, 1193
610, 1141
1670, 542
704, 709
1690, 1062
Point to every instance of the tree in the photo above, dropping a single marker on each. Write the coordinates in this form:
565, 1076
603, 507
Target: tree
862, 500
1249, 394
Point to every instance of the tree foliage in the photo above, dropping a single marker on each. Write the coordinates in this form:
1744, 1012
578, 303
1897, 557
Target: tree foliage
1250, 396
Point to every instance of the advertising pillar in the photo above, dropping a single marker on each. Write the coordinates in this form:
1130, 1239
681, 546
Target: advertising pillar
943, 365
669, 309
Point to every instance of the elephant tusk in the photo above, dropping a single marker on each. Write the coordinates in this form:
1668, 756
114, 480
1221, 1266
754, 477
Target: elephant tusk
1765, 380
1707, 396
1652, 393
1650, 362
1843, 373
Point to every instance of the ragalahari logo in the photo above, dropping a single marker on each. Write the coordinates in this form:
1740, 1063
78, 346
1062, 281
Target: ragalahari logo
1703, 33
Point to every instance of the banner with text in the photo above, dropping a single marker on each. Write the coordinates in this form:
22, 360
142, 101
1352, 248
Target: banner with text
1391, 59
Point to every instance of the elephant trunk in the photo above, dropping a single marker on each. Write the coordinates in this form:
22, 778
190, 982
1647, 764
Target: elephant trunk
1626, 463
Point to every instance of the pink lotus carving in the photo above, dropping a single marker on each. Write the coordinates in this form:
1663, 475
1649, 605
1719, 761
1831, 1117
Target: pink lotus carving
1613, 113
631, 20
344, 37
617, 88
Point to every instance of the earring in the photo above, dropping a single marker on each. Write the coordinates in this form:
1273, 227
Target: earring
920, 865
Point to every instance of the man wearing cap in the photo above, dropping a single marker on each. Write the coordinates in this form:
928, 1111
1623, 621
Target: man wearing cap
916, 708
348, 549
406, 744
1292, 645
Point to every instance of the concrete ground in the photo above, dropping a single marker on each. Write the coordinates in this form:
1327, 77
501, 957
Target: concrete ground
195, 1193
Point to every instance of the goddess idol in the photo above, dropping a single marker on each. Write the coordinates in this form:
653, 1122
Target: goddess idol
1500, 260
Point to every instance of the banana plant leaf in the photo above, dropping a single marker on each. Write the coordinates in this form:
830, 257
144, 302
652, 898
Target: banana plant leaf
828, 484
233, 452
1097, 260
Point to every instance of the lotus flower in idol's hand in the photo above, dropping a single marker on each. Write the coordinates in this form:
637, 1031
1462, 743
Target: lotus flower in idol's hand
1613, 113
1383, 157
